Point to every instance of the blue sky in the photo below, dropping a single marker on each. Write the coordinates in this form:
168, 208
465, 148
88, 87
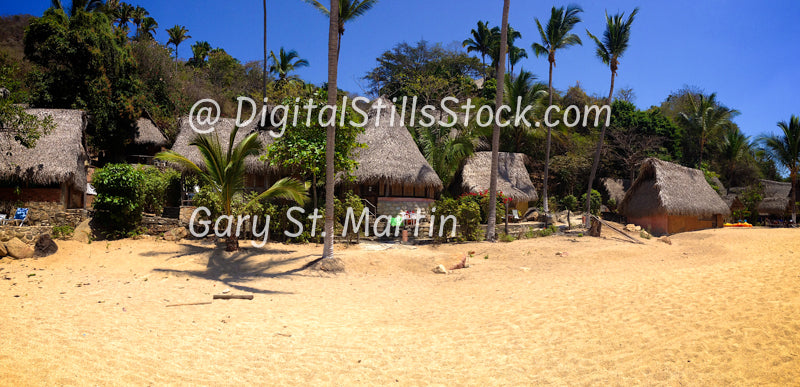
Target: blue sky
745, 51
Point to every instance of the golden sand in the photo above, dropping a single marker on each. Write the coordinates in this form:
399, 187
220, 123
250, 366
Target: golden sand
716, 307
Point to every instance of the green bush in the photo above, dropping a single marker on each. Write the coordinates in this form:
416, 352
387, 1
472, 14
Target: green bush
506, 238
118, 205
467, 213
569, 202
63, 232
161, 188
597, 200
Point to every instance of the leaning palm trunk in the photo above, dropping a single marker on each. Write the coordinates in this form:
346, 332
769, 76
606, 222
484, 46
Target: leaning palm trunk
547, 144
501, 70
596, 162
328, 262
794, 196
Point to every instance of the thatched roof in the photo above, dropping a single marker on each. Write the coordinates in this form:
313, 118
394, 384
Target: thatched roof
222, 128
513, 179
721, 187
616, 188
391, 154
776, 198
147, 133
666, 188
57, 157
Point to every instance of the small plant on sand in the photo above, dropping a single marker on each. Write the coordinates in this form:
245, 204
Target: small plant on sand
63, 232
580, 235
506, 238
486, 256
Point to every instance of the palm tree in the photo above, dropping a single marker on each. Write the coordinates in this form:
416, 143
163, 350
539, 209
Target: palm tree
785, 149
285, 63
705, 119
328, 262
124, 13
481, 42
498, 100
177, 34
200, 52
224, 170
137, 16
555, 37
349, 10
445, 148
148, 28
513, 35
615, 42
77, 6
515, 54
732, 149
522, 91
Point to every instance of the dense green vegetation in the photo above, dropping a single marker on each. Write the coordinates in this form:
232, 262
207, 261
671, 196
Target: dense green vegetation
102, 57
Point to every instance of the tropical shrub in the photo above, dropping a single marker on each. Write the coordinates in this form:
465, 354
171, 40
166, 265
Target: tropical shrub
482, 200
63, 232
467, 213
160, 189
118, 205
597, 200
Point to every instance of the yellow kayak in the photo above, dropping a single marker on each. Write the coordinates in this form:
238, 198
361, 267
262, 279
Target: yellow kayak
740, 224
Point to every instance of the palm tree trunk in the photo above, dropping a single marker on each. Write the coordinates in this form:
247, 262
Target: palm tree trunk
501, 69
547, 148
596, 163
232, 242
483, 60
793, 172
265, 51
328, 262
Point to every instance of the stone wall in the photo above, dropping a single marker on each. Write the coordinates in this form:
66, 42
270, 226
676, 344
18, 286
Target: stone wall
156, 225
45, 213
27, 234
393, 206
186, 214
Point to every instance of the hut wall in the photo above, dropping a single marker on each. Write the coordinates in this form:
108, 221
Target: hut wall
691, 223
393, 206
32, 194
656, 224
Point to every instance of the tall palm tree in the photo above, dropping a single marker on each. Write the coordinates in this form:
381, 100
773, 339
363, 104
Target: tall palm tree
148, 28
705, 119
328, 262
177, 34
349, 10
224, 170
480, 42
124, 13
286, 62
513, 35
498, 100
615, 41
515, 55
522, 91
556, 36
137, 16
785, 149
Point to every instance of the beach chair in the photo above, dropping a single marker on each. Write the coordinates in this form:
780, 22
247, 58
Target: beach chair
514, 216
20, 216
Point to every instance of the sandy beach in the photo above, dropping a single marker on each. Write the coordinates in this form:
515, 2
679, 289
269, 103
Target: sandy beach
717, 307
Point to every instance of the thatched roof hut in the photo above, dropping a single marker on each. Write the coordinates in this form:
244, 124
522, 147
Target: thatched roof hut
391, 155
222, 129
58, 157
668, 198
147, 133
615, 188
513, 179
777, 199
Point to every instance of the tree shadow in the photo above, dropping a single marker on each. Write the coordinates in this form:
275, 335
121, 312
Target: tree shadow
238, 268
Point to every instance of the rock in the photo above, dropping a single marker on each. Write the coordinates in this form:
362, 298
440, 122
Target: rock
531, 215
18, 249
83, 233
562, 254
3, 251
440, 269
45, 246
645, 234
666, 240
630, 227
638, 228
176, 234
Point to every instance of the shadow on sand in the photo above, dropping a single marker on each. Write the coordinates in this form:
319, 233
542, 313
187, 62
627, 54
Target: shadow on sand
236, 269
